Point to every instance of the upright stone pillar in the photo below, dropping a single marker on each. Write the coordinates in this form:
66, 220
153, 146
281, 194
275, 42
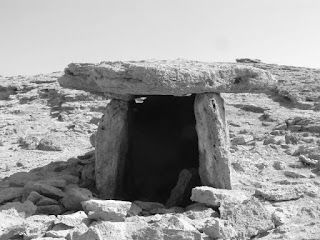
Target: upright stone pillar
213, 140
111, 149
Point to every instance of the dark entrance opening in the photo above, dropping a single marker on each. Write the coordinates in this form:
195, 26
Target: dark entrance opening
162, 142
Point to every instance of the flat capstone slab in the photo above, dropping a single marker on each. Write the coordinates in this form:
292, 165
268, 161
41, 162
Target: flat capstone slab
175, 77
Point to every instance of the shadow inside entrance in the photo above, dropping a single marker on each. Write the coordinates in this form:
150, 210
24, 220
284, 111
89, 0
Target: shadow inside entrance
162, 142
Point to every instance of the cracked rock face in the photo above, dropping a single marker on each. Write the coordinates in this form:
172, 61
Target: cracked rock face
177, 77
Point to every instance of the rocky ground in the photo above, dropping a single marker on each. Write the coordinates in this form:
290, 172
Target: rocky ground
47, 167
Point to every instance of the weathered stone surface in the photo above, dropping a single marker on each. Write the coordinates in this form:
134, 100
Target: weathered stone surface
10, 193
38, 225
248, 60
49, 144
181, 191
55, 182
110, 210
177, 77
148, 206
217, 228
74, 196
21, 178
71, 220
171, 221
165, 227
248, 218
11, 224
49, 238
111, 148
112, 230
282, 193
293, 174
46, 190
28, 142
25, 209
167, 210
200, 211
307, 161
77, 231
215, 197
213, 140
50, 209
58, 234
88, 175
40, 200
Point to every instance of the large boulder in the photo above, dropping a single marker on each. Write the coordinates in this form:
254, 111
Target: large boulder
177, 77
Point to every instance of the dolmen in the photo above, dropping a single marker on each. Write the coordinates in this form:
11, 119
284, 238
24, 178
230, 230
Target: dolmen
163, 117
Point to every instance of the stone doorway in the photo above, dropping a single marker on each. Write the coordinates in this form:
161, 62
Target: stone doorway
162, 141
173, 133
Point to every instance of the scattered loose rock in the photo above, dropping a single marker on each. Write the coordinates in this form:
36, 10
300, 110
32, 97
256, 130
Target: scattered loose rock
40, 200
25, 209
28, 142
214, 197
110, 210
11, 224
218, 229
307, 161
46, 190
279, 193
49, 144
248, 218
149, 206
293, 174
279, 165
10, 193
72, 220
50, 210
74, 195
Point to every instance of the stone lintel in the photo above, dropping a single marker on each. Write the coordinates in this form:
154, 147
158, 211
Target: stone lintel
176, 77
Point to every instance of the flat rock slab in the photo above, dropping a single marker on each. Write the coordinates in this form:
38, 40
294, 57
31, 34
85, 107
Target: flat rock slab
177, 77
42, 188
279, 193
214, 197
110, 210
10, 193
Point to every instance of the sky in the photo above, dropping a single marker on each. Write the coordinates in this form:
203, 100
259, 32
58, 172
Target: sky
42, 36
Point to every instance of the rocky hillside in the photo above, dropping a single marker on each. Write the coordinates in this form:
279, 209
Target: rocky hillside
47, 166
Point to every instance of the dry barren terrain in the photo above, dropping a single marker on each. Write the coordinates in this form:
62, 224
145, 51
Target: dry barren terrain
275, 142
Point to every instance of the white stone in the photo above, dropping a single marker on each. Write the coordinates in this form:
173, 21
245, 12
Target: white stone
25, 209
177, 77
214, 197
110, 210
